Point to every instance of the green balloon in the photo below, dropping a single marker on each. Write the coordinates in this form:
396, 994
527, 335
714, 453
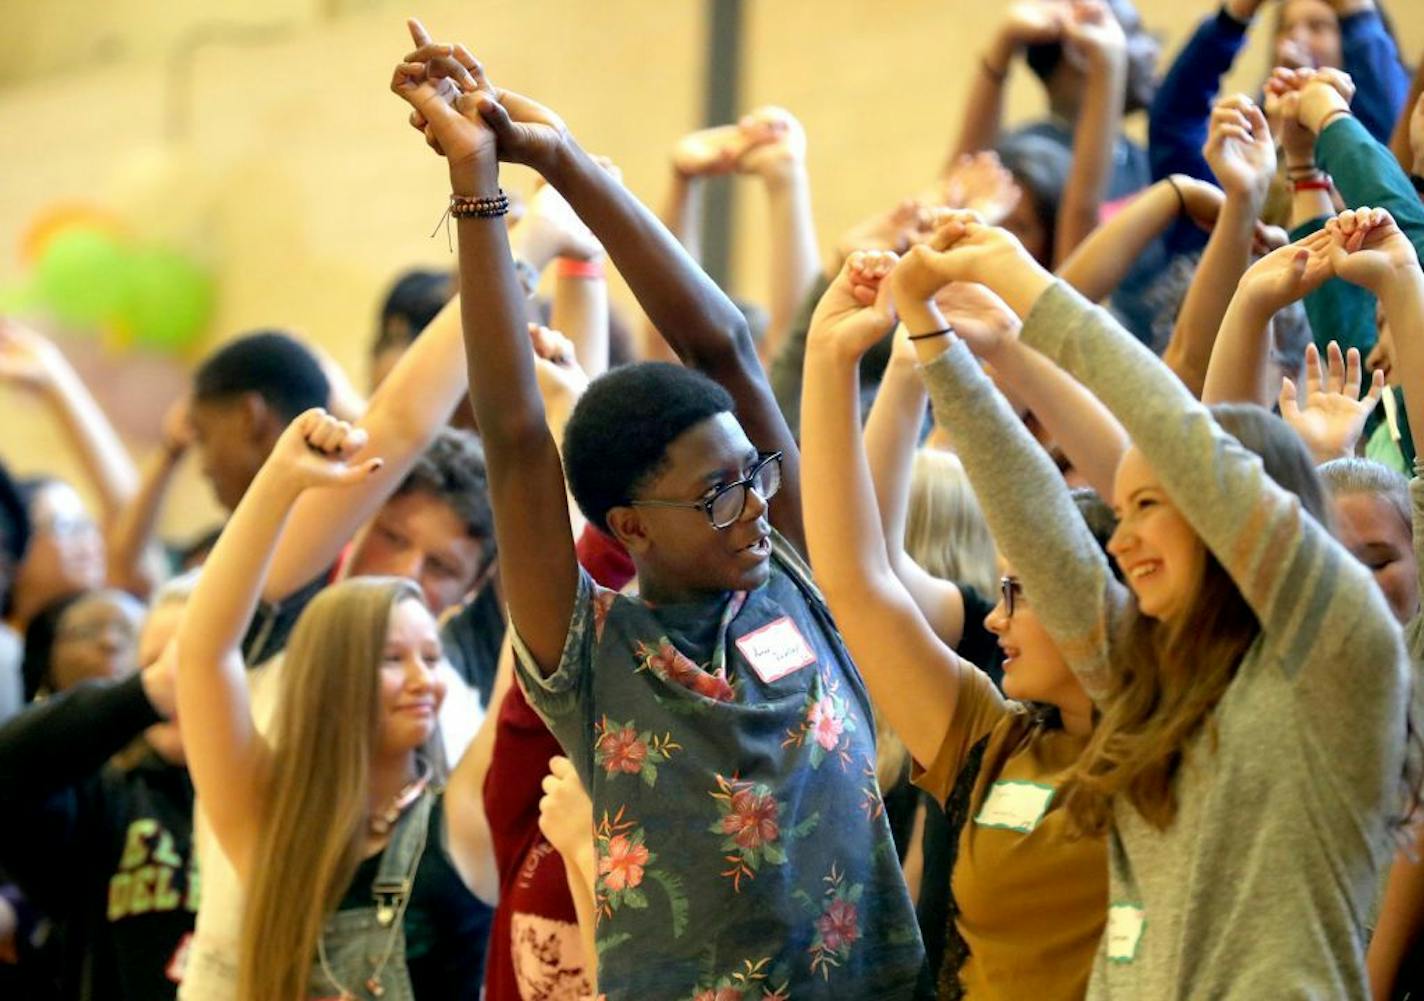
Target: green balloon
168, 299
80, 277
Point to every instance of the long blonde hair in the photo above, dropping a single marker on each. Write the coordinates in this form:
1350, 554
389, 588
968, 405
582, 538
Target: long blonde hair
946, 535
945, 531
324, 733
1172, 675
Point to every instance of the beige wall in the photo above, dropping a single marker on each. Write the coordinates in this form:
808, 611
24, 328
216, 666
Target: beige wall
300, 183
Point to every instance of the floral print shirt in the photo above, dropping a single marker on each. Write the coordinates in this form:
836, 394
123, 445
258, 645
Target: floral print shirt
743, 852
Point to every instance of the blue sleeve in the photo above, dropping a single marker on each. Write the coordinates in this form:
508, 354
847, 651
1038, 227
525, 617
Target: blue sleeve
1381, 81
1177, 120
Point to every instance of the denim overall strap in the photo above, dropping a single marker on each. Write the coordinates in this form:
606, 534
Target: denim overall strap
356, 941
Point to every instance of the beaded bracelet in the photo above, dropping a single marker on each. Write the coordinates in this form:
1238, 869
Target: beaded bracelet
488, 207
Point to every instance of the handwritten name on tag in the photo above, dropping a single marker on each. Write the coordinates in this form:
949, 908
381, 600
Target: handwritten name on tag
1015, 806
1126, 923
776, 650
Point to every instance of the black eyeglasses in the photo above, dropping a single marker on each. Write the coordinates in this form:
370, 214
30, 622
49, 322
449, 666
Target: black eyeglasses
1009, 589
724, 506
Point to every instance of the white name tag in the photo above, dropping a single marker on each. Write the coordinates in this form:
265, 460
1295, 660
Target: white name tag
1015, 806
776, 650
1125, 925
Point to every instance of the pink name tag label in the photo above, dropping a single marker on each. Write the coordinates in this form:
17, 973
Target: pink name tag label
776, 650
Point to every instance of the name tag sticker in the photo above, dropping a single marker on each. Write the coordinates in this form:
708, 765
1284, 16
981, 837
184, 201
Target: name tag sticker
1015, 806
776, 650
1125, 925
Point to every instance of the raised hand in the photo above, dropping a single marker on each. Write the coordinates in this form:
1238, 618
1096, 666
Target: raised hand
1333, 415
1033, 22
555, 363
980, 318
1323, 94
1239, 148
712, 151
856, 310
159, 681
1366, 247
28, 359
316, 449
980, 183
176, 430
550, 228
774, 142
1286, 275
1283, 115
895, 230
972, 251
1092, 35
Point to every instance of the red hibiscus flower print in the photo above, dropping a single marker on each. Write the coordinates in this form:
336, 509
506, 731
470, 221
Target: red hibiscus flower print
671, 664
837, 926
752, 819
622, 751
622, 867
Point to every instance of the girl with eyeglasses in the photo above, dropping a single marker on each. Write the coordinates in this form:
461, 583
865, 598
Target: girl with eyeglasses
1014, 854
1250, 762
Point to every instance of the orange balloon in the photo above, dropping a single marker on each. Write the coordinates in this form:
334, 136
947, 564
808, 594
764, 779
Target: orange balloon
58, 217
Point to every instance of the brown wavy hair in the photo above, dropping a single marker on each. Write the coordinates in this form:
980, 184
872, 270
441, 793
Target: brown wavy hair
323, 736
1171, 675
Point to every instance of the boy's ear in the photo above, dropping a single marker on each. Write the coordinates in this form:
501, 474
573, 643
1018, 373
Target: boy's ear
628, 527
260, 422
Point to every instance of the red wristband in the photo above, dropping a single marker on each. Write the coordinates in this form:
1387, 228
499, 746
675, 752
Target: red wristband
572, 267
1313, 184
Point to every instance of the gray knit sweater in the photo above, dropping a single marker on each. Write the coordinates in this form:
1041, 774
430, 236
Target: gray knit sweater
1262, 886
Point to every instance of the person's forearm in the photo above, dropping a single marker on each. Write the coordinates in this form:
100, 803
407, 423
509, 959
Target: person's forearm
132, 535
1094, 142
88, 429
1100, 262
580, 312
794, 258
1181, 107
891, 433
1365, 173
579, 871
1089, 435
1399, 143
412, 404
73, 733
1236, 371
682, 212
1227, 255
1403, 302
984, 109
1401, 917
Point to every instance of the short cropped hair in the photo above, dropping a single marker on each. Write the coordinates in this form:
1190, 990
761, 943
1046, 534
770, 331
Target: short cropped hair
618, 435
452, 469
273, 365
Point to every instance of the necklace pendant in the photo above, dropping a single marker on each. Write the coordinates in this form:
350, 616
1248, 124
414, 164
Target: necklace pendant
385, 914
374, 986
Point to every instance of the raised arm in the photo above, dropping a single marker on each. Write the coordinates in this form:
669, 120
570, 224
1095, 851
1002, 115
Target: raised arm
550, 233
1028, 22
778, 157
132, 542
226, 755
1102, 260
701, 324
891, 432
1407, 141
1372, 58
539, 570
1177, 121
1095, 39
34, 362
1242, 155
916, 680
1025, 501
1238, 371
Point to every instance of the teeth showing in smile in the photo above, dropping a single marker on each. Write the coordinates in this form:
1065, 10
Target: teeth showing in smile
1143, 570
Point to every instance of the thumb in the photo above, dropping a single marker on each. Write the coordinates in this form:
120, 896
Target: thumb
495, 115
